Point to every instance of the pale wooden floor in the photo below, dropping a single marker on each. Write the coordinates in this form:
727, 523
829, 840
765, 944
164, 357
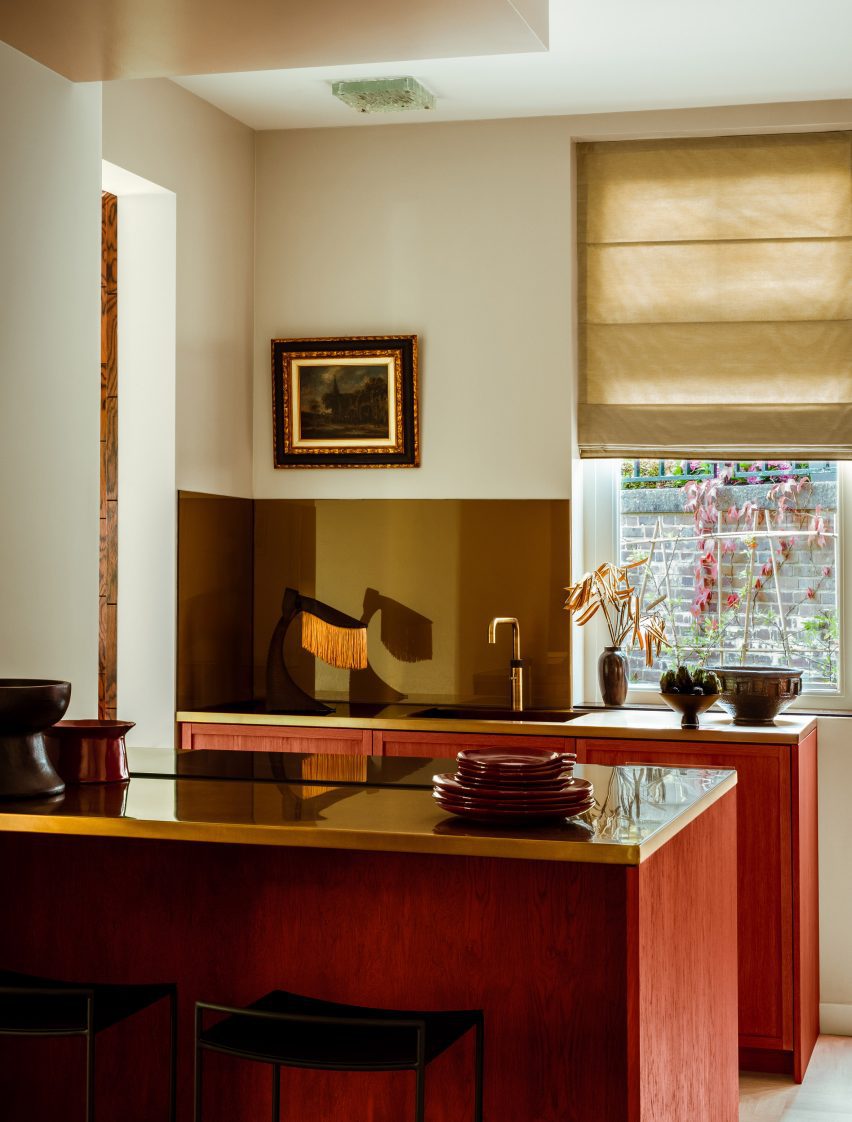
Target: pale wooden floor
825, 1094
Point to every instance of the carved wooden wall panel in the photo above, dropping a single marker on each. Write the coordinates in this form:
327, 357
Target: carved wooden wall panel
108, 577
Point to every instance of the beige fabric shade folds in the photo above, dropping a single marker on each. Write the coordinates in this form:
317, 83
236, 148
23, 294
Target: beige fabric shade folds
715, 296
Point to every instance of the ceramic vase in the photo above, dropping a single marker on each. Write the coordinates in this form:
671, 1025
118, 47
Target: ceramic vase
90, 751
612, 676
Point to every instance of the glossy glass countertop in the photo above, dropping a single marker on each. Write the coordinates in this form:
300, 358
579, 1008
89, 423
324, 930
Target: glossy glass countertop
369, 803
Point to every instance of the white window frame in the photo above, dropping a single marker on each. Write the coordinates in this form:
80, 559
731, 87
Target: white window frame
599, 490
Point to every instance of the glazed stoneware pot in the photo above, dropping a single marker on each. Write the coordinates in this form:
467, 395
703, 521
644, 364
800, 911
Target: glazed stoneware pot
27, 707
90, 751
755, 695
612, 676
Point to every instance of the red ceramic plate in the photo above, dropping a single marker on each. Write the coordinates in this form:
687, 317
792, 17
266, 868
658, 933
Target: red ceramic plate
554, 800
515, 812
500, 804
575, 807
504, 759
498, 779
507, 816
454, 786
504, 784
518, 759
511, 769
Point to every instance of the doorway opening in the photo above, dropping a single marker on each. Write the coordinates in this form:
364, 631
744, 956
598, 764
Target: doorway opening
138, 411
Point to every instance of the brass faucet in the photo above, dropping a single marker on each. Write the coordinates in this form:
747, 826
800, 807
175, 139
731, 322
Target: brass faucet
516, 666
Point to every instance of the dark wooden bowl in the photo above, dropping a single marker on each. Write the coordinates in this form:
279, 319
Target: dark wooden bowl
29, 705
689, 705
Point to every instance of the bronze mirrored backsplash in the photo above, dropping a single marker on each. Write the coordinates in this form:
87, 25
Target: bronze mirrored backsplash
424, 576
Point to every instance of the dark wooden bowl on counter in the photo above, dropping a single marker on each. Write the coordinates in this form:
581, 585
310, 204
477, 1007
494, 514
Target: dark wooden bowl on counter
689, 705
27, 707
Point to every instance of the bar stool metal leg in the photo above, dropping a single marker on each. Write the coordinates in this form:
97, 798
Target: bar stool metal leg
479, 1057
420, 1095
420, 1069
276, 1092
199, 1072
90, 1059
173, 1055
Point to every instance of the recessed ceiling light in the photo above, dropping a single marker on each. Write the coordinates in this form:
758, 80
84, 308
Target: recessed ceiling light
384, 95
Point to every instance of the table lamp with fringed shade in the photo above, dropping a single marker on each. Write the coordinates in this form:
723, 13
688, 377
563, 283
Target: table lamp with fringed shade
330, 635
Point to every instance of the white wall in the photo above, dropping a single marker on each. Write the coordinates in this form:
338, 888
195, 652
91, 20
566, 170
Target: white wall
165, 134
835, 878
50, 184
459, 233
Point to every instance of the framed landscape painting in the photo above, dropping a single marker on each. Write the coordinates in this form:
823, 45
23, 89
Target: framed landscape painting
348, 402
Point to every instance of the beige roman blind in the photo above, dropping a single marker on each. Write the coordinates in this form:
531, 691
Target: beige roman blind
715, 296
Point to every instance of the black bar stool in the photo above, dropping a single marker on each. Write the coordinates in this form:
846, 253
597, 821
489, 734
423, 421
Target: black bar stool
286, 1030
33, 1006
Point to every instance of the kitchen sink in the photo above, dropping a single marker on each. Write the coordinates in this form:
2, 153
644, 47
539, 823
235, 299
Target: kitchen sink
483, 713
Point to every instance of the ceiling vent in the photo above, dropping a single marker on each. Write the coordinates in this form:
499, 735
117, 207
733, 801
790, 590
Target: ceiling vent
384, 95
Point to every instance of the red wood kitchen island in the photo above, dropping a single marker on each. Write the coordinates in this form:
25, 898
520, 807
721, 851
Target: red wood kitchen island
777, 874
602, 949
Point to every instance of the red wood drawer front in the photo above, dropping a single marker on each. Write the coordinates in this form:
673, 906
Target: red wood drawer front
764, 868
440, 744
275, 738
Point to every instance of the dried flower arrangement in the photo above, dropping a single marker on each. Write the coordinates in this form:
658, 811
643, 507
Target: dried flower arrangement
608, 590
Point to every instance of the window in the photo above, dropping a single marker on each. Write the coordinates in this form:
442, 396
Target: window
748, 555
714, 318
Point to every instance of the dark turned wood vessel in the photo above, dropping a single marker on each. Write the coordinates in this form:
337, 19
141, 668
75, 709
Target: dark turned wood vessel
27, 707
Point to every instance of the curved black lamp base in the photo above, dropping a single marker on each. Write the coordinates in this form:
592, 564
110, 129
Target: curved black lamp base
282, 693
25, 769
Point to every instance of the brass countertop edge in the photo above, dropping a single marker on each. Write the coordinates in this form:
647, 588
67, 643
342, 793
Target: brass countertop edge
576, 728
512, 848
388, 724
523, 847
727, 734
661, 837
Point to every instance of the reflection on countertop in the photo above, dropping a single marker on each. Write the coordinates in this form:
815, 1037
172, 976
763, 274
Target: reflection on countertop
367, 803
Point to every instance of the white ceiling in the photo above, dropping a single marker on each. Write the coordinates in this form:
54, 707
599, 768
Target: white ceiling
605, 56
101, 40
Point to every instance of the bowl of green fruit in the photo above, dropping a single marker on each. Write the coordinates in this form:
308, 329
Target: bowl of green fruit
689, 691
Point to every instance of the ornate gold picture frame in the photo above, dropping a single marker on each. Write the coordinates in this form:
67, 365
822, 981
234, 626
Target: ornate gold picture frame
349, 402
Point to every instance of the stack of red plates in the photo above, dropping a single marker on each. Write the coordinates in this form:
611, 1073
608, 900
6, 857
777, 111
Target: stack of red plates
521, 785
